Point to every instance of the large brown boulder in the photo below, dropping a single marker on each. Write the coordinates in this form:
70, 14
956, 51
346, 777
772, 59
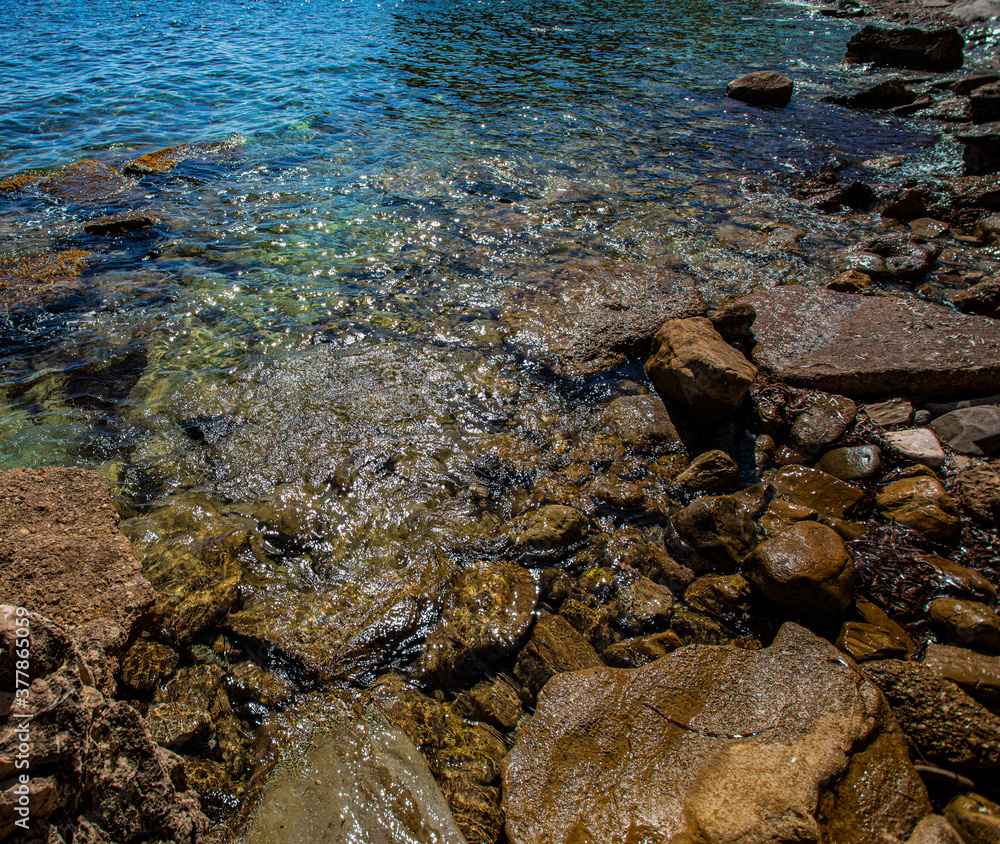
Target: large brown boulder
923, 504
871, 346
692, 365
91, 760
805, 570
714, 744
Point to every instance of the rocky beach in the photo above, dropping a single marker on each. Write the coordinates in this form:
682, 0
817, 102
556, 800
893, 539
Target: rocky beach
677, 523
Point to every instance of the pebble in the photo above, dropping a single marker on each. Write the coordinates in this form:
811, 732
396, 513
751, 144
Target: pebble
852, 463
922, 504
919, 445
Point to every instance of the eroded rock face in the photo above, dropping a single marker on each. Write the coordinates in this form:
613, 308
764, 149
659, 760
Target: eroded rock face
714, 745
948, 726
870, 346
62, 555
970, 430
92, 762
979, 489
692, 365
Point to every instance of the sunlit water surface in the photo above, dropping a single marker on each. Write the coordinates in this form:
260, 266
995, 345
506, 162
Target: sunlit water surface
331, 298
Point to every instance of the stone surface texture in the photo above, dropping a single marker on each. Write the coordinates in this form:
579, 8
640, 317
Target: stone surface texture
761, 87
714, 745
692, 365
870, 346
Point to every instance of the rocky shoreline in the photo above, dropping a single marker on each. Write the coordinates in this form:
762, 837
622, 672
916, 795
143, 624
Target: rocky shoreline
790, 633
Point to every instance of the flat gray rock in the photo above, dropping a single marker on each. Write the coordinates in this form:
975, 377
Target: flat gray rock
970, 430
871, 346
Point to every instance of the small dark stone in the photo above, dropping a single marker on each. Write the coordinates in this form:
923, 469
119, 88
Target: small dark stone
762, 87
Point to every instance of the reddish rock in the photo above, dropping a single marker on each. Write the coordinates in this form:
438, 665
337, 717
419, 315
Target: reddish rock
871, 346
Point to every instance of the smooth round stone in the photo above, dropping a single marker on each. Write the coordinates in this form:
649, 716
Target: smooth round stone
852, 463
919, 445
805, 570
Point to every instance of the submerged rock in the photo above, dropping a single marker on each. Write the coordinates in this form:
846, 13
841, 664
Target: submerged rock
488, 609
692, 365
940, 49
713, 471
715, 745
870, 346
37, 280
359, 780
762, 87
554, 647
718, 528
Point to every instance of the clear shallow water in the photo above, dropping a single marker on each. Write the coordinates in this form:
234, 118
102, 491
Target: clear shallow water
336, 295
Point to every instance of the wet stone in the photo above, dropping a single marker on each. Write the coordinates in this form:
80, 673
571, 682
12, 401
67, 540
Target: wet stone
718, 528
119, 225
979, 490
695, 628
965, 581
733, 321
496, 702
891, 413
642, 422
852, 463
918, 445
981, 298
975, 818
641, 650
593, 623
147, 664
824, 420
948, 727
816, 490
692, 365
934, 829
928, 227
966, 623
806, 570
877, 637
488, 609
247, 681
719, 595
552, 530
970, 430
554, 647
713, 471
976, 673
761, 87
920, 503
173, 724
872, 346
936, 50
851, 281
643, 605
